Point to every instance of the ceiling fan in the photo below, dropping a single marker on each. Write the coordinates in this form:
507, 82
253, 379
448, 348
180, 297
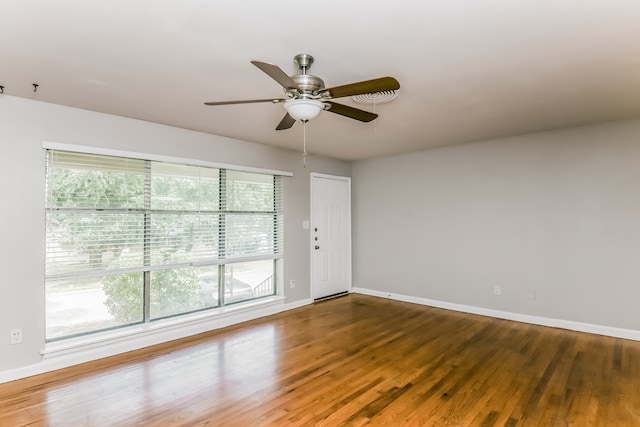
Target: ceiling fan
306, 95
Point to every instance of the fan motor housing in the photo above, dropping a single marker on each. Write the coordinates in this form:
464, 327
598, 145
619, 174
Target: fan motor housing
308, 84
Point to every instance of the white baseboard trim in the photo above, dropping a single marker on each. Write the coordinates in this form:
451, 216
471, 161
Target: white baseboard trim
63, 354
525, 318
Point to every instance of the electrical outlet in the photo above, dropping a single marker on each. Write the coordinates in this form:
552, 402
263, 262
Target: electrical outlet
292, 284
497, 290
16, 336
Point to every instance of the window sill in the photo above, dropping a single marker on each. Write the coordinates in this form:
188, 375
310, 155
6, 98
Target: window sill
108, 343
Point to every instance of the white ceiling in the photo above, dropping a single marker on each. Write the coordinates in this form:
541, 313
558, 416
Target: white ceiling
468, 69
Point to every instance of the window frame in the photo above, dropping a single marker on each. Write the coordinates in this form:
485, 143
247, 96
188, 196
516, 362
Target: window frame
221, 263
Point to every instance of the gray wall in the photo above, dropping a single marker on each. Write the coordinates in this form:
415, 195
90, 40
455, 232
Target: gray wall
555, 213
26, 124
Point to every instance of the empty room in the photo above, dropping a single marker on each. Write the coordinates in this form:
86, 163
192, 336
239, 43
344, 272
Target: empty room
320, 213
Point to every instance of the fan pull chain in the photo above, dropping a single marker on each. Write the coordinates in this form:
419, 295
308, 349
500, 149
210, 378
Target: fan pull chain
304, 142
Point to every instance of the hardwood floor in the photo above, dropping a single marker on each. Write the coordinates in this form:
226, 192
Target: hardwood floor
355, 360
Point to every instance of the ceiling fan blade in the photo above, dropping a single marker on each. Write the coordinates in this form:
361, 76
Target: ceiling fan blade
352, 113
248, 101
286, 122
276, 74
367, 86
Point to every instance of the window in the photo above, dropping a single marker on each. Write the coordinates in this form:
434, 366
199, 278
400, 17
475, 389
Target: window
131, 240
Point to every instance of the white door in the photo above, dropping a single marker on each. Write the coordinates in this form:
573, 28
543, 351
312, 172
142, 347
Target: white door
330, 235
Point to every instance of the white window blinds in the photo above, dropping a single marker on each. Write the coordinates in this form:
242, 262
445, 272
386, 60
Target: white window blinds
109, 214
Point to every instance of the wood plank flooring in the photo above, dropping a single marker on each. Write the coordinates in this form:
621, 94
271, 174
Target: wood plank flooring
355, 360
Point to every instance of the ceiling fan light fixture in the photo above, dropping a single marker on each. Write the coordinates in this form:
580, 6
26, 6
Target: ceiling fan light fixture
303, 109
306, 95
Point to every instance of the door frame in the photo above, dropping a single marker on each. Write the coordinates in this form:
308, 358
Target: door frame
347, 179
